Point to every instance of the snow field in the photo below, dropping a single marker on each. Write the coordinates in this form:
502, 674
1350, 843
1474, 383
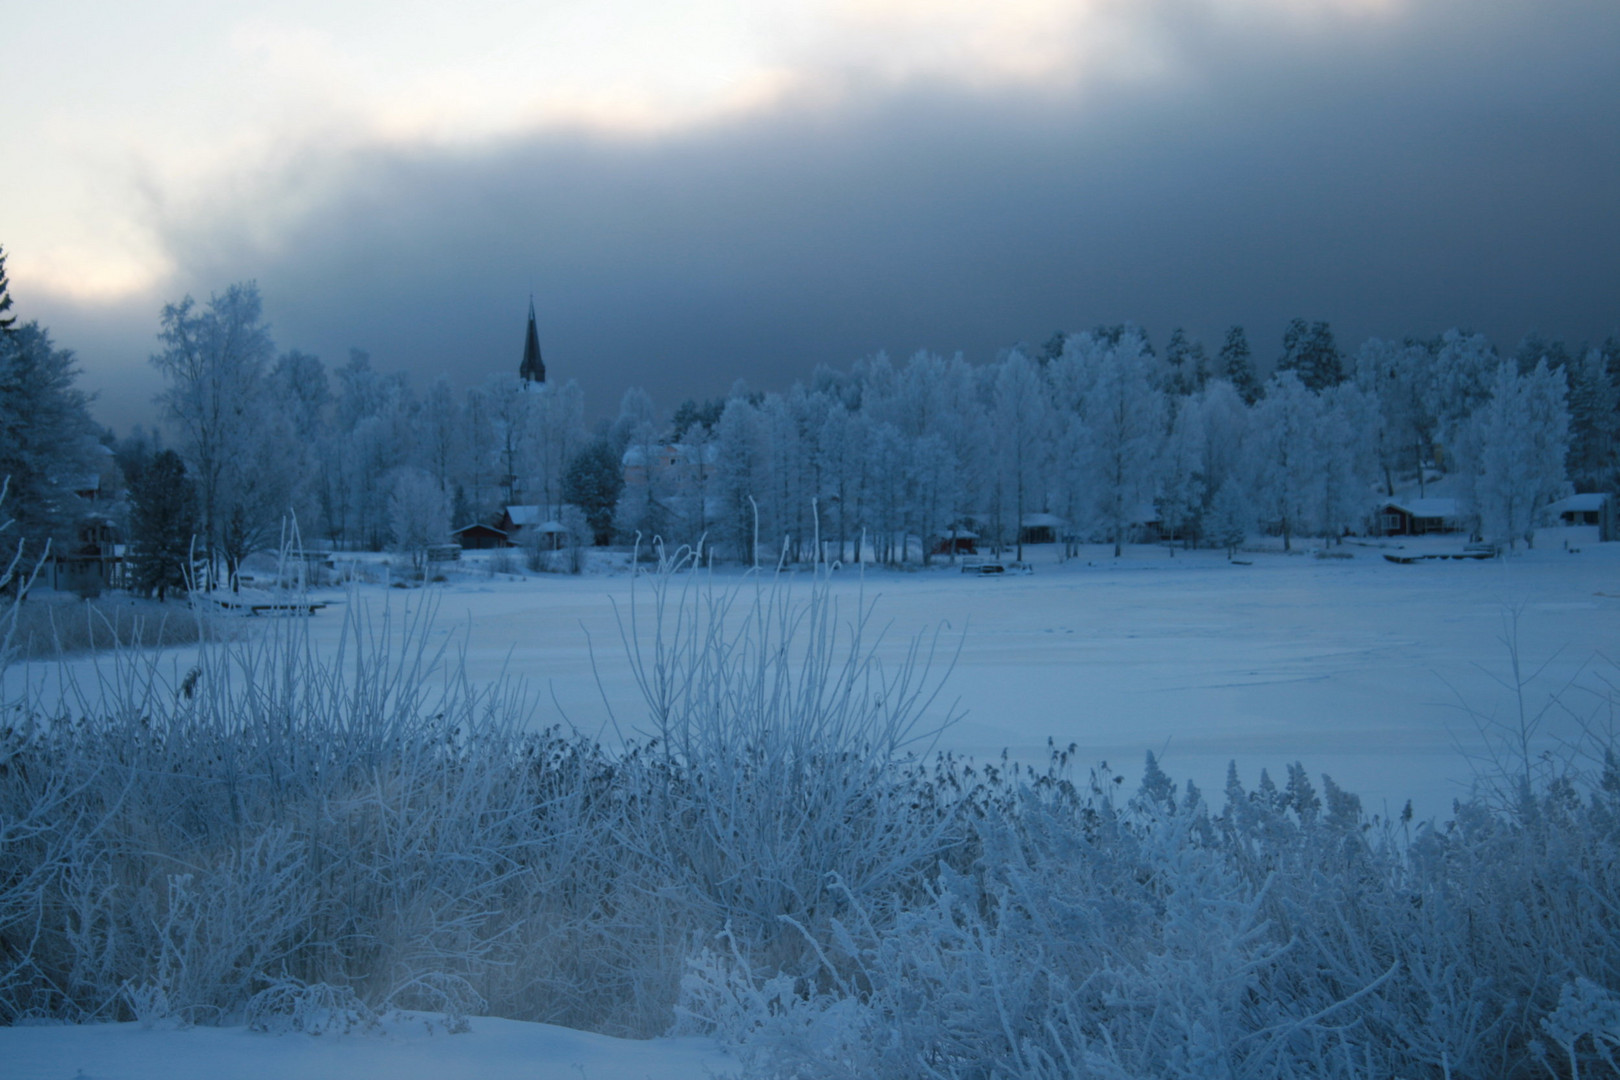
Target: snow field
1355, 667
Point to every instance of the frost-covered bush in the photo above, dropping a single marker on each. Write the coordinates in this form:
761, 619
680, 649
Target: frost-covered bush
784, 776
1278, 937
366, 821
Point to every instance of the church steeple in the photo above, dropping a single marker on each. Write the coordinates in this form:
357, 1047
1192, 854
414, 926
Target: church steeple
533, 369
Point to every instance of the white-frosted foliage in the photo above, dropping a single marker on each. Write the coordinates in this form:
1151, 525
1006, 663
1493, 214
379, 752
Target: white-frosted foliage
1458, 381
1285, 457
1285, 936
1115, 390
1397, 379
1514, 447
1225, 421
1346, 446
1021, 437
419, 511
1181, 476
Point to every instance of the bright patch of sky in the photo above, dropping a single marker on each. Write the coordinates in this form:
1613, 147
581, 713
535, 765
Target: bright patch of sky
133, 120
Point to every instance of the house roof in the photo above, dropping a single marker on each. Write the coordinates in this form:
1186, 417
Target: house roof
1036, 521
1425, 508
477, 526
524, 515
1589, 502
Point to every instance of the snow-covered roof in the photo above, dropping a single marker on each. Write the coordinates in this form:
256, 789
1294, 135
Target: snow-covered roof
1035, 521
1426, 508
551, 527
524, 515
1590, 502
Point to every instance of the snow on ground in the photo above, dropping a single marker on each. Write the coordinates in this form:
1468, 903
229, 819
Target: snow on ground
1357, 667
492, 1050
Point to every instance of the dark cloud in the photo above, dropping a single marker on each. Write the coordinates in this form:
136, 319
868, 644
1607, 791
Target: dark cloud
1456, 167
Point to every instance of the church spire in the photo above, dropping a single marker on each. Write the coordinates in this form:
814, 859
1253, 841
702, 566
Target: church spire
533, 369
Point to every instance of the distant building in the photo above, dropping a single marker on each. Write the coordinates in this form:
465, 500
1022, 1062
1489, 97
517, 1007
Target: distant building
533, 369
1415, 517
681, 463
1588, 508
479, 537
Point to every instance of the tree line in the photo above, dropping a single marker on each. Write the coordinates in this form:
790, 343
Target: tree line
1098, 432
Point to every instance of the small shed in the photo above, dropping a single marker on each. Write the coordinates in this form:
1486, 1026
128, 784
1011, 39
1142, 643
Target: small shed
1040, 528
480, 537
1416, 517
553, 535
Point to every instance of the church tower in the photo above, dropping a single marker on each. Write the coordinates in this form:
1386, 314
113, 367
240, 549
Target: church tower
533, 369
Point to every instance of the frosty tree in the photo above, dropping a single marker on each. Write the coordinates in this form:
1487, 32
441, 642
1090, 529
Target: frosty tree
232, 434
1517, 443
1124, 417
420, 514
1458, 382
1022, 441
1285, 459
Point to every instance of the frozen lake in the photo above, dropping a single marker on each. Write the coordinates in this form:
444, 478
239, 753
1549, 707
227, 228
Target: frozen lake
1356, 667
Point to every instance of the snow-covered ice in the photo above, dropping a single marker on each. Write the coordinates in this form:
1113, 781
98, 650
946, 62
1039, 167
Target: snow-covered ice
492, 1050
1356, 667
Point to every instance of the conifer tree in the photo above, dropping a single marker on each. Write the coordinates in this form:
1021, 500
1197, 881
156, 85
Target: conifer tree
1237, 365
7, 322
592, 483
162, 522
45, 435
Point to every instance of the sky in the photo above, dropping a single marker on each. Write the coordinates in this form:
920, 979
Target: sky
711, 191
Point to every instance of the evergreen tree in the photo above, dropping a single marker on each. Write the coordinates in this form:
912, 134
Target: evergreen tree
7, 322
45, 435
162, 522
592, 483
1310, 350
1594, 418
1537, 347
690, 414
461, 509
1053, 348
1237, 365
1180, 379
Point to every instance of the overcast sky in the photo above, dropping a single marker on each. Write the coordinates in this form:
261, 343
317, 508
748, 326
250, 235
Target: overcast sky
706, 191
